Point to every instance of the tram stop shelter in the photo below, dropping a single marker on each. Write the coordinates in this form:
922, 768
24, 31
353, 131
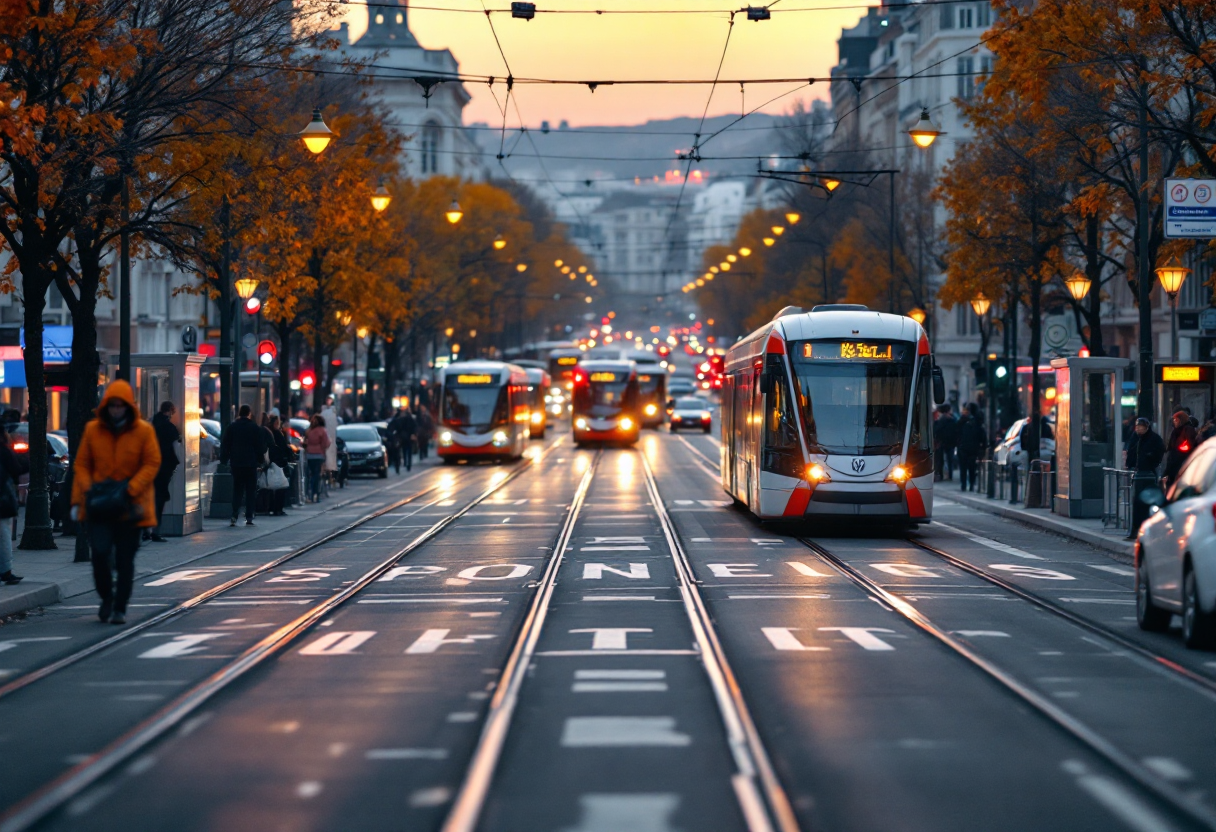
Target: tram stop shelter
174, 376
1089, 433
1190, 385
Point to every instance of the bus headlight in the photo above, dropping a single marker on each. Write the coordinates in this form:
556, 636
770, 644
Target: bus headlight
538, 417
580, 423
626, 423
445, 438
652, 409
817, 474
500, 438
898, 475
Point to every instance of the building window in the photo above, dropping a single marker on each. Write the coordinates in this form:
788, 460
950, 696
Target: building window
966, 82
947, 17
983, 16
965, 17
431, 136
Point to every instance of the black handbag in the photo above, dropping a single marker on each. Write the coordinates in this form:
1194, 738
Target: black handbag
107, 501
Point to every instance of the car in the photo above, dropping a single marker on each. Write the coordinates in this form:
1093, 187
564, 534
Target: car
365, 446
57, 459
690, 412
1010, 448
1175, 553
678, 387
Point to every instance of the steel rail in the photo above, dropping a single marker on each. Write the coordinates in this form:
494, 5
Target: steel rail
45, 801
470, 800
1144, 777
762, 799
1166, 666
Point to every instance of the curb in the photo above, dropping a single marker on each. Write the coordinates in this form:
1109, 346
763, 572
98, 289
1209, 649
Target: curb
1121, 549
27, 596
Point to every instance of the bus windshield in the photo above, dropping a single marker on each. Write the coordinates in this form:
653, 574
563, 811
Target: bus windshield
853, 395
651, 383
475, 407
605, 399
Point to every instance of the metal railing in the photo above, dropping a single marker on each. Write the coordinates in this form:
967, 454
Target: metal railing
1117, 498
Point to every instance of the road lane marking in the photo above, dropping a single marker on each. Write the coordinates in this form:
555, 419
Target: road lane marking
595, 571
980, 633
1126, 602
13, 642
736, 570
619, 598
633, 812
758, 597
618, 687
1023, 571
611, 638
406, 754
337, 643
783, 638
622, 731
426, 798
630, 652
990, 543
462, 716
1122, 571
905, 570
181, 646
456, 601
615, 549
863, 636
1117, 799
1169, 768
620, 674
806, 570
432, 640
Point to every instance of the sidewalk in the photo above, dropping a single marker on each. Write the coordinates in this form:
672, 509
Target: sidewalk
51, 575
1085, 531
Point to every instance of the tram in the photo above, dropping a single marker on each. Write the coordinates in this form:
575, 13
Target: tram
484, 411
538, 394
606, 402
561, 366
829, 413
652, 381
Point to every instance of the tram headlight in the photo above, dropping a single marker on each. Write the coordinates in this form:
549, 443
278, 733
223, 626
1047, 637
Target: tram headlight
580, 423
652, 409
898, 475
817, 474
626, 423
445, 438
500, 438
538, 417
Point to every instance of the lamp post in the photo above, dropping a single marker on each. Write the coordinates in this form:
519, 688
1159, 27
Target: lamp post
381, 199
981, 306
317, 135
361, 332
454, 213
1171, 277
245, 287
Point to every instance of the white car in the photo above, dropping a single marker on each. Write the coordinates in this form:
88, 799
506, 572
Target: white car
691, 413
1010, 448
1176, 554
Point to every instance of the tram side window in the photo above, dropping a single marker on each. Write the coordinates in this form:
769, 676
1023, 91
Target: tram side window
920, 441
782, 453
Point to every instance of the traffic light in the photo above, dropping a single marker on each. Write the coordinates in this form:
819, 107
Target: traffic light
1000, 379
980, 368
308, 379
267, 352
253, 306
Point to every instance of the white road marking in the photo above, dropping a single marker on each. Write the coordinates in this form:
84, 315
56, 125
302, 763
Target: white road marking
86, 802
434, 796
416, 571
736, 570
140, 765
189, 575
621, 812
714, 503
1114, 570
905, 570
517, 570
1117, 799
766, 541
683, 502
758, 597
618, 731
615, 549
618, 687
406, 754
616, 653
11, 643
462, 716
1169, 768
1118, 601
611, 638
595, 571
290, 576
981, 634
990, 543
337, 643
806, 570
619, 598
453, 601
863, 636
446, 503
1023, 571
432, 640
181, 646
308, 789
783, 638
620, 674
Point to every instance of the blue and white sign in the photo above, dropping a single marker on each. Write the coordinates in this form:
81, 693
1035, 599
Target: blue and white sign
1190, 208
56, 344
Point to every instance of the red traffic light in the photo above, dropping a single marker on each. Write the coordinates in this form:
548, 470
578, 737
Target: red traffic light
253, 306
267, 352
308, 379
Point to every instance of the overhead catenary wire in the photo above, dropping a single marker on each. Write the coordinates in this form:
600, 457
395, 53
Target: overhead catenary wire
668, 11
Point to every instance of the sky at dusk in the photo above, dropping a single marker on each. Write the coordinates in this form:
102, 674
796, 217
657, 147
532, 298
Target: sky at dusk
793, 44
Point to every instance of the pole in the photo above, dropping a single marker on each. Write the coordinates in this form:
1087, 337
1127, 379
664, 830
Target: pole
355, 374
124, 286
225, 313
891, 241
258, 360
1144, 401
1174, 326
238, 353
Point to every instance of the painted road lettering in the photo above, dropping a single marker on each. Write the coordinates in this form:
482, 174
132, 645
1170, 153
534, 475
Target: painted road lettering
595, 571
417, 571
905, 570
291, 576
1032, 572
181, 646
863, 636
514, 570
432, 640
611, 638
337, 644
783, 638
188, 575
736, 570
806, 570
616, 544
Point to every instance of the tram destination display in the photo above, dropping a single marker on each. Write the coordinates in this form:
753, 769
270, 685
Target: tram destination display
474, 379
852, 351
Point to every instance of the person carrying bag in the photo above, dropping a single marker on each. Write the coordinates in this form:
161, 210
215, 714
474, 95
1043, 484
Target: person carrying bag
11, 469
113, 493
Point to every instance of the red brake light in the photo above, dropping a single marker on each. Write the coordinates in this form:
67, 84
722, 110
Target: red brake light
21, 447
1185, 447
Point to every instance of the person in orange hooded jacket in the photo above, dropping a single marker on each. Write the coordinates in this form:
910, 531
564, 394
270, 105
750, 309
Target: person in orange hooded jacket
117, 445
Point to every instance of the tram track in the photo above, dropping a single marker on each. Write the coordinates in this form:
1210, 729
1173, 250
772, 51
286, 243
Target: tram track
52, 796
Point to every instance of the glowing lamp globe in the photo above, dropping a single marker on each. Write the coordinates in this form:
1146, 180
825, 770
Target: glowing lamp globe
454, 213
925, 132
917, 315
1172, 276
980, 305
1078, 286
730, 258
792, 217
745, 252
778, 230
768, 241
521, 267
380, 199
499, 243
317, 135
246, 286
830, 184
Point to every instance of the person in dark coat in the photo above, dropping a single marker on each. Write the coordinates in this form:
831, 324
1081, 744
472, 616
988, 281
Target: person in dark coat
1183, 439
242, 447
281, 455
1145, 450
972, 440
402, 430
945, 434
11, 469
426, 430
167, 437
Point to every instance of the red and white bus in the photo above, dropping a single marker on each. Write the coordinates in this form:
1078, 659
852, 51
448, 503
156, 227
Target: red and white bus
484, 411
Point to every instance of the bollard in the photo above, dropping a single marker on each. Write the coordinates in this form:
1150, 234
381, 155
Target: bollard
1013, 482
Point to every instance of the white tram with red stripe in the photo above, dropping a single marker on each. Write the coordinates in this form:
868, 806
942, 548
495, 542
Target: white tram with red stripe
829, 414
484, 412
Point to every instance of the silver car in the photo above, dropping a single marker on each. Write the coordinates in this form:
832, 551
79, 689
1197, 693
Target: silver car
1176, 554
691, 413
1010, 449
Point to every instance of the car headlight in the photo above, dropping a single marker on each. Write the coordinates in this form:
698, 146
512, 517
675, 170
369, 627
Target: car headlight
375, 454
651, 409
817, 473
445, 438
538, 417
580, 423
500, 438
898, 475
626, 423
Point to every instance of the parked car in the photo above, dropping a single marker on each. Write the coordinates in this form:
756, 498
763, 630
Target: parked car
57, 460
1176, 553
366, 450
1010, 448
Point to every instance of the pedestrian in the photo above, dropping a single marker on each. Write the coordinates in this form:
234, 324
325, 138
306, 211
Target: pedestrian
1183, 439
971, 442
402, 430
1145, 450
425, 431
113, 492
1209, 428
167, 437
242, 448
330, 420
945, 434
316, 448
282, 456
12, 467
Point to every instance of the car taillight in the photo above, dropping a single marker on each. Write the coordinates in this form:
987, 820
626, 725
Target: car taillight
21, 447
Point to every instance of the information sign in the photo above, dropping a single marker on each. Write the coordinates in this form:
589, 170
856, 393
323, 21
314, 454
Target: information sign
1190, 208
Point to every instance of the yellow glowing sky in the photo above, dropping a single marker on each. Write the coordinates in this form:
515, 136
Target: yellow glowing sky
792, 44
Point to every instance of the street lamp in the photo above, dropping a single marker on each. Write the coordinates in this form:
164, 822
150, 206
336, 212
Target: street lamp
1078, 286
500, 243
768, 241
246, 286
778, 230
557, 264
745, 252
792, 217
980, 305
521, 267
829, 183
1171, 277
730, 258
381, 198
917, 315
724, 266
454, 213
317, 134
925, 132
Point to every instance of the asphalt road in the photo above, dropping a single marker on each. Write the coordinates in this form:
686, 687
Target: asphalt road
373, 716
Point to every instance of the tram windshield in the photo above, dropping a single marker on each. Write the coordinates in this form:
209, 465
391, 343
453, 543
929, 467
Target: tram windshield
652, 384
605, 395
475, 402
854, 395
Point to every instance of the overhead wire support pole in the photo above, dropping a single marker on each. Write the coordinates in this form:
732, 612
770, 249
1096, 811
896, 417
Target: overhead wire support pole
891, 245
1144, 401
